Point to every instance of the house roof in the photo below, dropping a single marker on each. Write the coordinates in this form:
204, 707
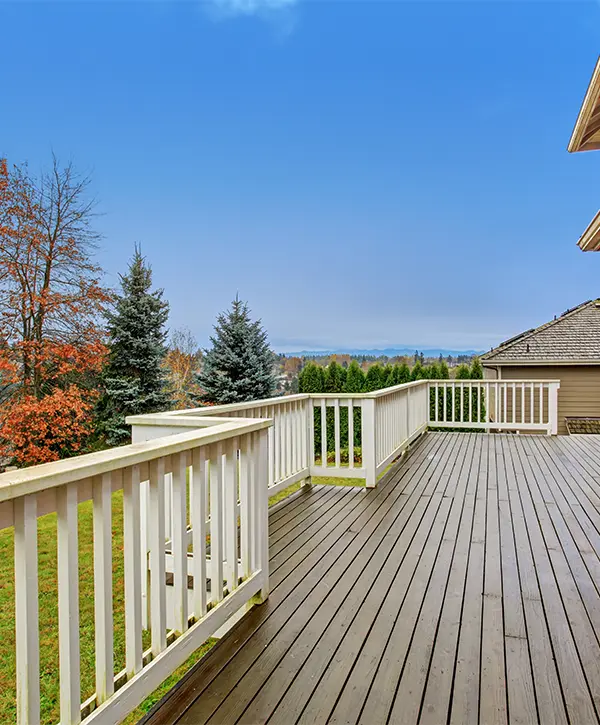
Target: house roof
590, 239
586, 134
572, 338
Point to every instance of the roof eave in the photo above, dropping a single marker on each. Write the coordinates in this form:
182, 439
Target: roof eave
586, 134
590, 239
544, 363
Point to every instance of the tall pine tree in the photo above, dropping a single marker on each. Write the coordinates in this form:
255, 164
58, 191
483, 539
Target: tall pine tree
240, 365
134, 377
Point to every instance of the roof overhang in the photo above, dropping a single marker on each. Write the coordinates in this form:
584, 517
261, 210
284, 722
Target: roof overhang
589, 241
586, 134
536, 363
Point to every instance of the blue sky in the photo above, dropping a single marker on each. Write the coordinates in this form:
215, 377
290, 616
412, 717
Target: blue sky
363, 173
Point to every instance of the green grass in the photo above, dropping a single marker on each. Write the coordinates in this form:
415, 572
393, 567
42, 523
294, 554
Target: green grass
48, 603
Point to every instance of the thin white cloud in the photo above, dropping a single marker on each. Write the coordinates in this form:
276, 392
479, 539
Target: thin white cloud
252, 7
280, 15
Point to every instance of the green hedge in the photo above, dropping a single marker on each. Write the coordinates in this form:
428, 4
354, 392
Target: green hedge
334, 378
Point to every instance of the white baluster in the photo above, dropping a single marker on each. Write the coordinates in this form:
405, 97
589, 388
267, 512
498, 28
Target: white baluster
311, 432
26, 611
179, 541
336, 432
278, 442
198, 513
103, 587
230, 509
132, 564
216, 523
245, 512
68, 604
158, 594
324, 433
270, 413
351, 433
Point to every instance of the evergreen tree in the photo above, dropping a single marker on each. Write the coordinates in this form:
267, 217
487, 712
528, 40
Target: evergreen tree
463, 372
374, 378
355, 380
478, 395
134, 378
390, 380
444, 371
335, 377
311, 379
476, 369
434, 372
418, 372
355, 383
240, 366
403, 374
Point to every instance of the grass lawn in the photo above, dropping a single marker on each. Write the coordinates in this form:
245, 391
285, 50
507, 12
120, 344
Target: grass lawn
49, 665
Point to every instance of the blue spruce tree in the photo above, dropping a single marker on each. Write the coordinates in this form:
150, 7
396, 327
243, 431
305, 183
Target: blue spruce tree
134, 378
240, 365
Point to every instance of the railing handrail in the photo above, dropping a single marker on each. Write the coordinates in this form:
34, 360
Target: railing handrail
211, 410
491, 381
373, 394
21, 482
175, 416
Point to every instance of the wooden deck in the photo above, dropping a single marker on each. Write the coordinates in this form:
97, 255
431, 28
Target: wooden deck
464, 589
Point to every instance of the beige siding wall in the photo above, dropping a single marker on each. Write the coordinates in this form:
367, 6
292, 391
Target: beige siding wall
579, 393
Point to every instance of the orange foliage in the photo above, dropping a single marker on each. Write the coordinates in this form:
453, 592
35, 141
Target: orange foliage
45, 430
51, 344
182, 362
292, 365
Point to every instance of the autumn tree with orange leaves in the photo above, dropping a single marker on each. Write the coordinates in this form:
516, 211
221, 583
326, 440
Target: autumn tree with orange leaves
51, 340
183, 361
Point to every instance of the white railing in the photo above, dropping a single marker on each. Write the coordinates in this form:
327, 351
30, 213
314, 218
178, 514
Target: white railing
495, 405
388, 422
195, 487
227, 459
289, 444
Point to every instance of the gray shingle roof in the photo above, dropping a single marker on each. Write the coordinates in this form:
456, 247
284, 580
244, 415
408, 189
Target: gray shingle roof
572, 337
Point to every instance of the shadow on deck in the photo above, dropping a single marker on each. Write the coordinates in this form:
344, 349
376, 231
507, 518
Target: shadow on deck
464, 589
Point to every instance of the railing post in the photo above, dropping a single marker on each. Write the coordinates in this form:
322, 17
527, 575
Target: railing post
262, 514
553, 408
369, 433
310, 438
428, 413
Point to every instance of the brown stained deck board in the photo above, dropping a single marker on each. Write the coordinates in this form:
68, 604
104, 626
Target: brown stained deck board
465, 588
265, 651
340, 644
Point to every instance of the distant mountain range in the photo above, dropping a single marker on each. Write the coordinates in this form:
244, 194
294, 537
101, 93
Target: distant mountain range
388, 352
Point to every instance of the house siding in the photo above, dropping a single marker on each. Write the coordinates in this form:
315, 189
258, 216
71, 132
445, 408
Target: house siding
579, 394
